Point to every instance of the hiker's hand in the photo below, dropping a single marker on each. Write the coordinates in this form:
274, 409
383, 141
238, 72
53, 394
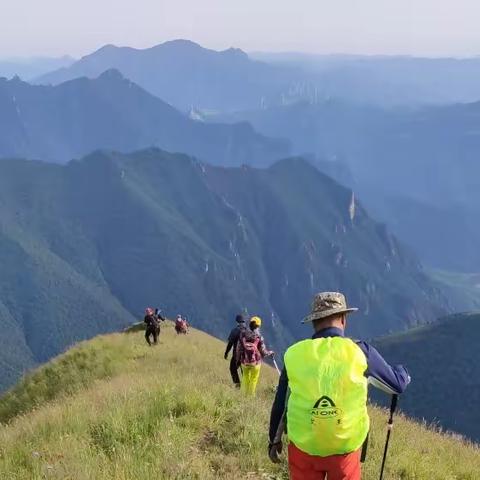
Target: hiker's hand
271, 353
274, 451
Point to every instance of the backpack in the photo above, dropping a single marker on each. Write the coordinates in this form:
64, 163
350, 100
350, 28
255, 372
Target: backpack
249, 354
151, 321
181, 325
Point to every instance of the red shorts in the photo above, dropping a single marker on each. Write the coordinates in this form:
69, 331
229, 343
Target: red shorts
336, 467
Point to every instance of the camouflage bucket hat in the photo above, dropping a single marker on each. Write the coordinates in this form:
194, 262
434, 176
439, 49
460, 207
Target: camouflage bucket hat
326, 304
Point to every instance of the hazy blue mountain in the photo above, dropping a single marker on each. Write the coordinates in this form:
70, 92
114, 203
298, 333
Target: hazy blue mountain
87, 246
30, 68
443, 361
416, 169
385, 80
184, 74
444, 236
72, 119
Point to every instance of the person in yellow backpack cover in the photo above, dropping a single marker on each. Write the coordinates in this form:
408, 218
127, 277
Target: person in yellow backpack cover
251, 351
327, 378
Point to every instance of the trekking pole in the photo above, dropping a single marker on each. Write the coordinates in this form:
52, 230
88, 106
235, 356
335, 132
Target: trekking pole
276, 366
393, 407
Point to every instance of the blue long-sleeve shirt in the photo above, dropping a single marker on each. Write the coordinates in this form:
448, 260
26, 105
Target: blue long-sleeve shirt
392, 379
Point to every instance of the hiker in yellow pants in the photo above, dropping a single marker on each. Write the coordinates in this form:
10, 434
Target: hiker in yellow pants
251, 351
251, 374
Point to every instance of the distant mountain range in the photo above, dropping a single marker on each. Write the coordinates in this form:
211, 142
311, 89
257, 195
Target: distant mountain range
186, 75
85, 247
74, 118
382, 80
444, 364
30, 68
416, 169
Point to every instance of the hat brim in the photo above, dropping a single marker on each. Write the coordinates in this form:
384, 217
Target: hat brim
327, 313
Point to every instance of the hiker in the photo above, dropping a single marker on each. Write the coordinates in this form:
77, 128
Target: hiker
250, 352
181, 325
152, 321
327, 378
232, 345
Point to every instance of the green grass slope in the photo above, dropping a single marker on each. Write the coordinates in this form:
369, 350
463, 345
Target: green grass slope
444, 362
114, 409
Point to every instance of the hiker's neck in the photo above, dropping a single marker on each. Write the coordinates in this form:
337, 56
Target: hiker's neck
336, 321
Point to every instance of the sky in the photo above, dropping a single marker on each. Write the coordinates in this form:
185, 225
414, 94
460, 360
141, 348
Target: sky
406, 27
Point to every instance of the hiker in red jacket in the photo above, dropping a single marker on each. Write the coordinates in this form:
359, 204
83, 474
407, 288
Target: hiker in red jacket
250, 352
181, 325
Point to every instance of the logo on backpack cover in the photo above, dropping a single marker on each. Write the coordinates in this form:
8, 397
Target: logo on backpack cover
325, 409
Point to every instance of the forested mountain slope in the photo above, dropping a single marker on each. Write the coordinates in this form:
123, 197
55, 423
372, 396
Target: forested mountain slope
73, 119
444, 361
87, 245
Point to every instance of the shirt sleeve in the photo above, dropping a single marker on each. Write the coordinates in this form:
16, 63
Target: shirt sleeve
390, 379
232, 338
279, 404
262, 348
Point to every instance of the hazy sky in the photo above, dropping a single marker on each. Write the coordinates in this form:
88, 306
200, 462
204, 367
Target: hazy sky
419, 27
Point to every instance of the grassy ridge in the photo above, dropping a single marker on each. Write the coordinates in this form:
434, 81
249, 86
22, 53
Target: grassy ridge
170, 413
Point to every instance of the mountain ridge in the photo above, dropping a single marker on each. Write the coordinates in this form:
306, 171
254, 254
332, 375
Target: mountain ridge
114, 408
390, 155
224, 80
120, 232
72, 119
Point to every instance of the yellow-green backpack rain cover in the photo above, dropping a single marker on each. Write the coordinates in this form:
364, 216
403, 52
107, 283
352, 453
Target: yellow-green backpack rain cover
327, 408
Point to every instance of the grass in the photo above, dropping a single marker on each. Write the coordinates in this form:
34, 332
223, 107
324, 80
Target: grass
169, 412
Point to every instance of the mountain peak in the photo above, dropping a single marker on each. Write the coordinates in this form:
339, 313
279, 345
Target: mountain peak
111, 74
180, 42
107, 47
235, 52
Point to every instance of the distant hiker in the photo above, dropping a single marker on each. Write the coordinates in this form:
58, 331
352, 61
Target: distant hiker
250, 351
181, 325
232, 345
152, 321
327, 377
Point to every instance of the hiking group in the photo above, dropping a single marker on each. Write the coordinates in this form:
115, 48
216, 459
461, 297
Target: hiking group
321, 399
152, 321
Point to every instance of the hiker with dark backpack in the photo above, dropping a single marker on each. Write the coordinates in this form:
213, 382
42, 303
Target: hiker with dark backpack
152, 321
322, 396
152, 326
251, 351
233, 346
